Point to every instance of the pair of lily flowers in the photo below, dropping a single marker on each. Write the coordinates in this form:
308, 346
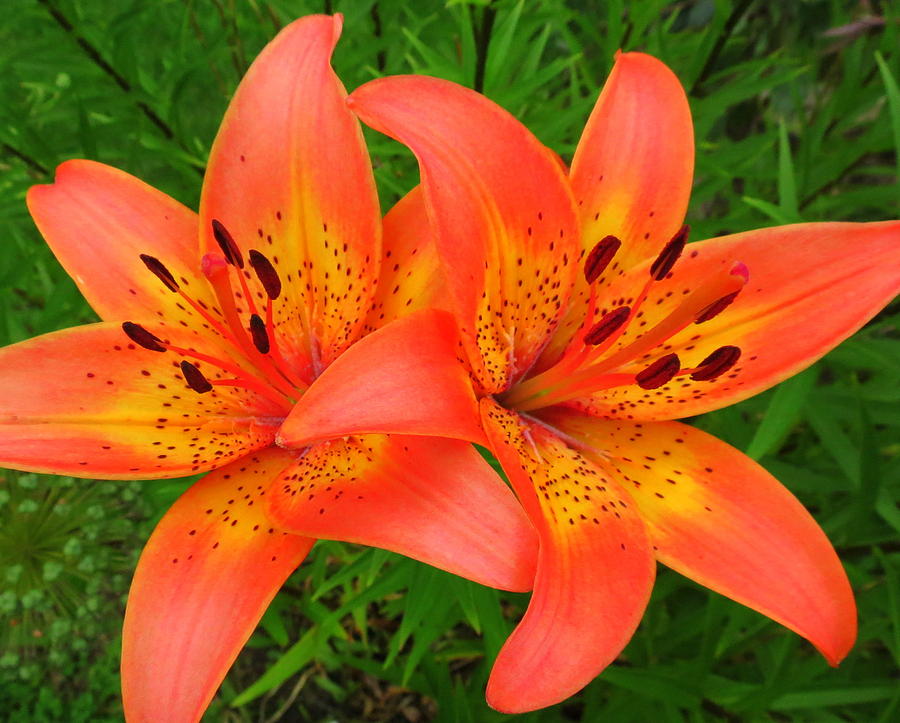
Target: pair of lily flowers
331, 370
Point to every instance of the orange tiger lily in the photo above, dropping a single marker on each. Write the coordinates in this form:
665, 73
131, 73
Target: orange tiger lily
590, 326
218, 343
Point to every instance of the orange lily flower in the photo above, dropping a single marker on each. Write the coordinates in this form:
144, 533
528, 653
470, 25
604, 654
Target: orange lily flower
218, 343
590, 326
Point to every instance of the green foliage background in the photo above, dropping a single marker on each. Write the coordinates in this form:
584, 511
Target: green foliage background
797, 115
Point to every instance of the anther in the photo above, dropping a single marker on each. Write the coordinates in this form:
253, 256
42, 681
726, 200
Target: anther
259, 334
157, 268
266, 274
227, 244
669, 255
716, 364
659, 372
716, 308
194, 378
600, 257
140, 336
607, 326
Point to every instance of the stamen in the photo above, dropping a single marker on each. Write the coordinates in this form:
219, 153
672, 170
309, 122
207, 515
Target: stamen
716, 308
600, 257
160, 271
716, 364
669, 255
659, 372
266, 274
607, 326
194, 378
227, 243
259, 334
140, 336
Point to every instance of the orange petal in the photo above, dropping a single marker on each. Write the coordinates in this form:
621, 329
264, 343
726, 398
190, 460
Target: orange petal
718, 517
502, 211
631, 174
411, 277
634, 165
204, 579
99, 220
87, 402
595, 568
289, 175
404, 379
811, 286
435, 500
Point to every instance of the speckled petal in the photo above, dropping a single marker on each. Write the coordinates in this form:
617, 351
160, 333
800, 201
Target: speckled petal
289, 176
90, 403
411, 277
435, 500
204, 579
718, 517
810, 287
595, 567
502, 212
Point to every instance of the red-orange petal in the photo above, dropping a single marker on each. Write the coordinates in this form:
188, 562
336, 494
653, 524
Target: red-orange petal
716, 516
411, 277
435, 500
634, 165
204, 579
289, 175
810, 287
631, 174
594, 574
99, 220
404, 378
88, 402
501, 210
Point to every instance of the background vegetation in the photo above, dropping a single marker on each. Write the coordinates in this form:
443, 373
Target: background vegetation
797, 117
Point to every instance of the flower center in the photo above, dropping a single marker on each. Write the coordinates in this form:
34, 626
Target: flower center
262, 367
592, 362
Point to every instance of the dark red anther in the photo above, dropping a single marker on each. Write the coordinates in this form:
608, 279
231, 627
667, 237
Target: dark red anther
607, 326
266, 274
659, 372
717, 363
259, 334
160, 271
194, 378
600, 257
716, 308
140, 336
669, 255
228, 245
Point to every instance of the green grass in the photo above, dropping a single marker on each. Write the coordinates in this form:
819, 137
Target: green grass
797, 117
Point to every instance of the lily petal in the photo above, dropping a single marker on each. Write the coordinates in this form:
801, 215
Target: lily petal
435, 500
204, 579
501, 209
719, 518
631, 174
289, 176
404, 378
99, 220
89, 403
595, 568
811, 286
634, 165
411, 276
